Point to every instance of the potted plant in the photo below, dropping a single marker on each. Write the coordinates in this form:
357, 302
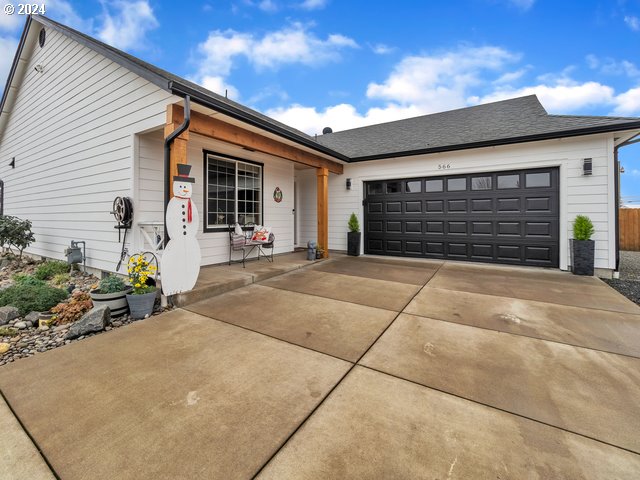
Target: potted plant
111, 292
142, 297
582, 247
353, 236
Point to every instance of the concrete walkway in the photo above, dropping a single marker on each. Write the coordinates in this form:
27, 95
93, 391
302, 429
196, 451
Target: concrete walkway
352, 368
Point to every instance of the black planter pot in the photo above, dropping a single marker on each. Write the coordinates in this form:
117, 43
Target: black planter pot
582, 257
353, 243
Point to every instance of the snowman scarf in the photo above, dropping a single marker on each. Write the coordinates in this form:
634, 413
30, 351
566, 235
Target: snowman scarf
189, 209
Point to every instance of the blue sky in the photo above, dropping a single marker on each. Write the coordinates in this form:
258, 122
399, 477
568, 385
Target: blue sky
316, 63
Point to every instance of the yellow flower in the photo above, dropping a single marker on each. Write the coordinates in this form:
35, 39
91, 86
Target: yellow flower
137, 285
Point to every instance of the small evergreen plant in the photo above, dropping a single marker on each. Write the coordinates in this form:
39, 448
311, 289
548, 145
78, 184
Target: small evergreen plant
354, 225
50, 269
583, 228
112, 284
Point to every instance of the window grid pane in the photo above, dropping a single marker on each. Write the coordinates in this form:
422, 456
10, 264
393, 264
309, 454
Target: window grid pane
232, 184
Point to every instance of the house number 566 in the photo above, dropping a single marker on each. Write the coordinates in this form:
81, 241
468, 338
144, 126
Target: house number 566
444, 166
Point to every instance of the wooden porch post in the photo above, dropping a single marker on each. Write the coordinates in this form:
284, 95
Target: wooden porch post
178, 146
323, 209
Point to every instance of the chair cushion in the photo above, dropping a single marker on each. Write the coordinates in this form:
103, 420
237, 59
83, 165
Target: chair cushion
261, 234
237, 241
238, 229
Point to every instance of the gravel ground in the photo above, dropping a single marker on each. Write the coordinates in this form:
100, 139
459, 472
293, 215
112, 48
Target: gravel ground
629, 265
629, 282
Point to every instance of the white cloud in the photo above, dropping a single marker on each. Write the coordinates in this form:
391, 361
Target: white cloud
64, 12
610, 66
292, 44
628, 103
339, 117
510, 77
438, 82
7, 44
632, 22
125, 24
382, 49
559, 98
522, 4
313, 4
268, 6
220, 86
10, 22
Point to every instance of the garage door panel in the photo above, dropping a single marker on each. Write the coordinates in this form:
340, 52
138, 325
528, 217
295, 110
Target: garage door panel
457, 228
413, 206
457, 206
504, 217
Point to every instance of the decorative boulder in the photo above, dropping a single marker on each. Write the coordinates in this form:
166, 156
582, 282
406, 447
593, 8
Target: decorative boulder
7, 314
95, 320
32, 317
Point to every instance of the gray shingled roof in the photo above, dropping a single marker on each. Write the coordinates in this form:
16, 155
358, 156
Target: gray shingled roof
508, 121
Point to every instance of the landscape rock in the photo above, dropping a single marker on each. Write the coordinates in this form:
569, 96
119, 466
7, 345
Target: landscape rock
93, 321
20, 325
7, 314
4, 348
32, 317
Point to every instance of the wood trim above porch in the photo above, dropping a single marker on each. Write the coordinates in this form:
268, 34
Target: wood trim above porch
226, 132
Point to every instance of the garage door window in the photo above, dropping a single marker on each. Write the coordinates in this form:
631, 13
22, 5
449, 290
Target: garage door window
393, 187
538, 180
456, 184
413, 186
433, 185
481, 183
508, 181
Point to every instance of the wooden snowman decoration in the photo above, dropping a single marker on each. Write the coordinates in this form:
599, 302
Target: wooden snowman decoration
180, 264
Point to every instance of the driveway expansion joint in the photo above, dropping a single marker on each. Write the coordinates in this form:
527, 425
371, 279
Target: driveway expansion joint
493, 407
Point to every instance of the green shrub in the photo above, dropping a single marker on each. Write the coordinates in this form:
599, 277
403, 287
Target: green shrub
61, 279
29, 280
8, 332
32, 295
354, 225
112, 284
50, 269
16, 233
583, 228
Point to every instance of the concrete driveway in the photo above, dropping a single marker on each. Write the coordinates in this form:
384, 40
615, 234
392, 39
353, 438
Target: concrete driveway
352, 368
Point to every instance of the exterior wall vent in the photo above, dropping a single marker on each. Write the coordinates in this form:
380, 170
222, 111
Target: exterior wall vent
42, 36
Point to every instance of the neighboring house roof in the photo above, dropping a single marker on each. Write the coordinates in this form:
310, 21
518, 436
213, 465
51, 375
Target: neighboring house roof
516, 120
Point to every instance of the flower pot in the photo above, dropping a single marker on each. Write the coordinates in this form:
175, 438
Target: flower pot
582, 257
117, 302
353, 243
141, 305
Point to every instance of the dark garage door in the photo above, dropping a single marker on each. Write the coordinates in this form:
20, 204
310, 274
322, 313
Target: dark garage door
501, 217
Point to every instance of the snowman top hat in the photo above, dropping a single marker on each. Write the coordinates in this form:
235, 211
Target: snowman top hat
183, 174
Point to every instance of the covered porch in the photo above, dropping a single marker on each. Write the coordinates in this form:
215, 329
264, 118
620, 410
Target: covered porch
243, 174
217, 279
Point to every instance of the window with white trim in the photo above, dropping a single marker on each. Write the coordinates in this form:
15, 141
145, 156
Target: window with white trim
233, 191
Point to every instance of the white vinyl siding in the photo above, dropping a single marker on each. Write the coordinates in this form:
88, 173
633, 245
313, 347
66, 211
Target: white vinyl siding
579, 194
70, 131
215, 245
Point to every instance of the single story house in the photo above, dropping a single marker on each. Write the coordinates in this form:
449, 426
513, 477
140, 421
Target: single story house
82, 123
